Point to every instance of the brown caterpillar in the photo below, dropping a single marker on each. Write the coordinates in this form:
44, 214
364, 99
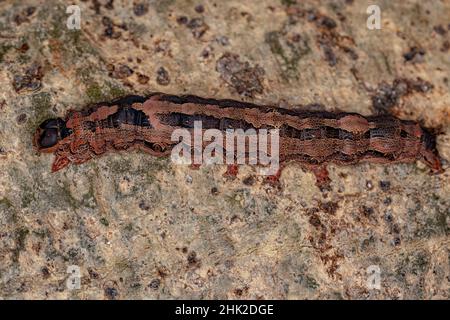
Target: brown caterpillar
313, 139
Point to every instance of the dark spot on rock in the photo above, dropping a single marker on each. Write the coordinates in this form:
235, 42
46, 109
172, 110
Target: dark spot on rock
162, 77
93, 274
387, 201
135, 285
396, 228
241, 76
192, 259
388, 217
30, 10
206, 52
311, 15
143, 79
96, 6
162, 272
385, 185
109, 32
387, 96
162, 45
396, 241
111, 293
328, 39
228, 264
415, 55
214, 191
199, 8
445, 46
418, 85
235, 218
21, 118
329, 54
223, 40
326, 22
23, 15
238, 292
341, 17
109, 5
122, 72
249, 181
182, 20
140, 9
367, 211
143, 205
440, 30
366, 243
106, 21
45, 273
198, 27
353, 55
184, 249
314, 220
154, 284
123, 26
23, 48
74, 254
329, 207
30, 80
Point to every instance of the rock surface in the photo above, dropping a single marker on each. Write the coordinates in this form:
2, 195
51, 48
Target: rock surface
138, 227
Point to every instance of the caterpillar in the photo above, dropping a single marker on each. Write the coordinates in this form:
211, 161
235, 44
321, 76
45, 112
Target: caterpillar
311, 138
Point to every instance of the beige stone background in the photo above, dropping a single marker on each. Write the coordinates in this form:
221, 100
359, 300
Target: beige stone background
143, 228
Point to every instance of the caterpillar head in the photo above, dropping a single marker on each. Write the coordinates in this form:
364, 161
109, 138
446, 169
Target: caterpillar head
49, 133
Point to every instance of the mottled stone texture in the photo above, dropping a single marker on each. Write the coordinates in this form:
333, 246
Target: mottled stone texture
139, 227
